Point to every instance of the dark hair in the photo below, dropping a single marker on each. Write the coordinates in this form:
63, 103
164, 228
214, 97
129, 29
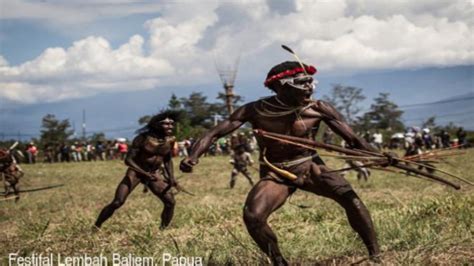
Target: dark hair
154, 120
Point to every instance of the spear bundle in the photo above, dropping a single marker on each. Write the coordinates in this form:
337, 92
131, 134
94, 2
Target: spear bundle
375, 159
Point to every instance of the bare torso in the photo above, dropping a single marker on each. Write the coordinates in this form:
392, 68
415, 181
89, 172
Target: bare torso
151, 151
299, 125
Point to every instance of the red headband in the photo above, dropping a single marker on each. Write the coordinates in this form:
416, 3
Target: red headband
290, 72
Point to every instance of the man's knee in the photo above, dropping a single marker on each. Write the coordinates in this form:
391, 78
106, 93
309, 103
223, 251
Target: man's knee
350, 199
117, 203
253, 219
169, 201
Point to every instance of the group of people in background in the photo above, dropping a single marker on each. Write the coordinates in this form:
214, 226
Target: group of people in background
425, 139
76, 151
84, 151
414, 139
413, 136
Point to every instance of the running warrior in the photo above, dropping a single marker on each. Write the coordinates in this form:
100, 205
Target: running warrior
285, 168
11, 173
240, 159
149, 162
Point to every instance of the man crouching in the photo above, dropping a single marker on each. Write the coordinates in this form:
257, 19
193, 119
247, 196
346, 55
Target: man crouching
149, 162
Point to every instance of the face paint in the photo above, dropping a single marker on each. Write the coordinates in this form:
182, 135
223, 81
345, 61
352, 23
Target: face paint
298, 90
167, 120
300, 82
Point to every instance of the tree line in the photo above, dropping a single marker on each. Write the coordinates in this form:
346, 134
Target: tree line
197, 114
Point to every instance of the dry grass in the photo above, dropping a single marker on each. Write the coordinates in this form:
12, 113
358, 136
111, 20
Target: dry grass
418, 222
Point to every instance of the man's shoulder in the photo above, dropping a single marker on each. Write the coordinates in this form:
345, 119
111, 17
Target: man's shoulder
325, 109
140, 138
321, 104
253, 103
244, 112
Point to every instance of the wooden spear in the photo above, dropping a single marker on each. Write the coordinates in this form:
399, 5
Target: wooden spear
383, 160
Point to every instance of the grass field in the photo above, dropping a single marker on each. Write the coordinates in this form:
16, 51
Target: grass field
417, 221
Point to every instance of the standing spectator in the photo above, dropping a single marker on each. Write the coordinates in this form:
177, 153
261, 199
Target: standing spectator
32, 152
378, 139
90, 152
183, 152
109, 150
445, 139
427, 139
73, 151
48, 153
79, 150
122, 149
461, 134
99, 150
64, 151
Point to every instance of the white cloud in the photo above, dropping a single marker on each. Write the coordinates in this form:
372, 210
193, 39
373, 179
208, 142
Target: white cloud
67, 13
349, 35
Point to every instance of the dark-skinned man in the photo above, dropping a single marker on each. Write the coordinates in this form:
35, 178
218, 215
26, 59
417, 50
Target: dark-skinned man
292, 111
149, 162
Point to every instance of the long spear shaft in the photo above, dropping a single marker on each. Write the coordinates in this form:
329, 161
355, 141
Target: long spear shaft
315, 144
404, 159
295, 140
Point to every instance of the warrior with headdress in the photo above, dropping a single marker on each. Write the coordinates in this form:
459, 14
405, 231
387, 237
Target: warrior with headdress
285, 168
149, 162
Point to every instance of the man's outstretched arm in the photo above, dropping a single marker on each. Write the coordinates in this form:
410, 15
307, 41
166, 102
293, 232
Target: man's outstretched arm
236, 120
337, 123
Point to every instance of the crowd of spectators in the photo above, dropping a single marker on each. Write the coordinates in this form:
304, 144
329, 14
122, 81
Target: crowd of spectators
84, 151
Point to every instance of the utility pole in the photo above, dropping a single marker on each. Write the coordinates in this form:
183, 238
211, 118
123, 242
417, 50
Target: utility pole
74, 128
83, 124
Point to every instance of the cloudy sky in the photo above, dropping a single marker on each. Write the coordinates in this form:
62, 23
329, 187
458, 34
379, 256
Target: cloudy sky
54, 51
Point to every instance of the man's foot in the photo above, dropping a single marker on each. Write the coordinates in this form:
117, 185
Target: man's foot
279, 261
376, 258
95, 228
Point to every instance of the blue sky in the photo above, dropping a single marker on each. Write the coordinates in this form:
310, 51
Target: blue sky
59, 56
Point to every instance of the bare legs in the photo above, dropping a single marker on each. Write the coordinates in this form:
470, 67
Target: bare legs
265, 198
335, 187
124, 189
235, 172
126, 186
268, 196
11, 183
158, 187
